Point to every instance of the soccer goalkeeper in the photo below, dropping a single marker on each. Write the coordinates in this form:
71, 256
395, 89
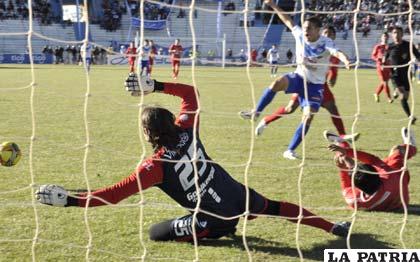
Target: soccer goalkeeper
377, 181
313, 52
171, 169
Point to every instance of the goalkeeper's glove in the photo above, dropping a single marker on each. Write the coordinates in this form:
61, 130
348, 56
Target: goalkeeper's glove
52, 195
133, 85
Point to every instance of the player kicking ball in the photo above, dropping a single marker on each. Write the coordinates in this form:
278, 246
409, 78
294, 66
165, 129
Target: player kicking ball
377, 181
171, 168
328, 102
313, 53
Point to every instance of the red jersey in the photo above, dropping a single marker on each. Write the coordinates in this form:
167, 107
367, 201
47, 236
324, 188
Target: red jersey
333, 69
387, 197
254, 55
378, 54
131, 53
175, 51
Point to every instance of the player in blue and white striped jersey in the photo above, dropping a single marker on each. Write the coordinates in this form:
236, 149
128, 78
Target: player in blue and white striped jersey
144, 57
313, 52
273, 59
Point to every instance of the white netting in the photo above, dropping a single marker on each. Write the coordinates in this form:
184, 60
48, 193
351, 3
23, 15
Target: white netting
191, 8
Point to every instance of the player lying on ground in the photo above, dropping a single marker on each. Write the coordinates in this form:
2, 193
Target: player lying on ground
328, 102
384, 73
313, 53
377, 181
171, 169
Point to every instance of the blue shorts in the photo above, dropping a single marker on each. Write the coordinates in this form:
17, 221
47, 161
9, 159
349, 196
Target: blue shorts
273, 63
315, 91
88, 61
144, 63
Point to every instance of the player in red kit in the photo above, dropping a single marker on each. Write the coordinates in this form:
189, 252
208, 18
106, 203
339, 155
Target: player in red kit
153, 53
328, 102
176, 143
131, 55
377, 182
175, 50
378, 55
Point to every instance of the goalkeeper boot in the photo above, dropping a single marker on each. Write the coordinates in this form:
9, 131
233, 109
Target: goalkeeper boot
408, 140
341, 229
252, 114
332, 137
290, 154
349, 138
260, 128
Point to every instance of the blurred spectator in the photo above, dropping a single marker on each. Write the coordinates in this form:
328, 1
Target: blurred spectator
112, 15
69, 52
229, 53
289, 56
95, 55
73, 54
47, 50
229, 7
58, 54
264, 53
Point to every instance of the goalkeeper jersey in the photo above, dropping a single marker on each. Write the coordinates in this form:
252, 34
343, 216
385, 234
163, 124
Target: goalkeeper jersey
173, 171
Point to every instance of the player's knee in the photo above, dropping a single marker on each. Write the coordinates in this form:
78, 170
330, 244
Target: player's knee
280, 84
161, 231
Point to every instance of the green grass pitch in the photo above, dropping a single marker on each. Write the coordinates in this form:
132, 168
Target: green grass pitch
116, 149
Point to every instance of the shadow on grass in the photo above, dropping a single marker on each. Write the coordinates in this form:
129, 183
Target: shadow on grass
361, 241
412, 210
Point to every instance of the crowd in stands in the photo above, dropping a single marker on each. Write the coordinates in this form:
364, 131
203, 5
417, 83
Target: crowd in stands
151, 11
113, 11
71, 54
366, 22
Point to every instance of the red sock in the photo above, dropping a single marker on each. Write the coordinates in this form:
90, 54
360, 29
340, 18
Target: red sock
291, 212
379, 89
276, 115
338, 123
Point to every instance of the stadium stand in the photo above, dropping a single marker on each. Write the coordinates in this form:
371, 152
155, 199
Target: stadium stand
48, 23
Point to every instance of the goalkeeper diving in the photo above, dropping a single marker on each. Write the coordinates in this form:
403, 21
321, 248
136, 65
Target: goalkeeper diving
172, 167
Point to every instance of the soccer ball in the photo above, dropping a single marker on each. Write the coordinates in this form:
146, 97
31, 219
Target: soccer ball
9, 154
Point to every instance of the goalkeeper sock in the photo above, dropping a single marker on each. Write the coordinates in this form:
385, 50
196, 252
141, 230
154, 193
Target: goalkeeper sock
297, 137
291, 211
265, 99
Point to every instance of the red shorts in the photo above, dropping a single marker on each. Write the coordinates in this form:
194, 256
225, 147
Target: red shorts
384, 74
151, 61
132, 62
328, 95
176, 62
